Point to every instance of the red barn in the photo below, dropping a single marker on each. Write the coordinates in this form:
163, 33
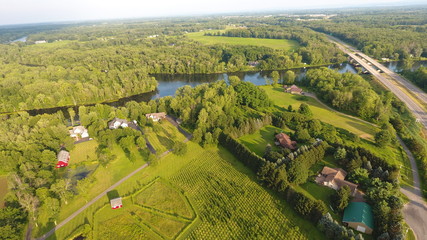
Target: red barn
116, 203
63, 158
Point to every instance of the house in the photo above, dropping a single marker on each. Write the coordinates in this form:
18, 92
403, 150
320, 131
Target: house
63, 158
117, 122
156, 116
334, 178
358, 215
116, 203
40, 42
79, 133
285, 141
292, 89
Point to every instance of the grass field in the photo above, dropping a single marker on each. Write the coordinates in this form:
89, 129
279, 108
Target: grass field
84, 152
104, 178
282, 100
3, 189
226, 198
282, 44
163, 135
257, 141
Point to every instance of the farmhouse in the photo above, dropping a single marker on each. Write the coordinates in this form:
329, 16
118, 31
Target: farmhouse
334, 178
116, 203
63, 158
79, 133
292, 89
156, 116
358, 215
117, 122
285, 141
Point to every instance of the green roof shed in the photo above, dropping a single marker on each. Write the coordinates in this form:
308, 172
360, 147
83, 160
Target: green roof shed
358, 215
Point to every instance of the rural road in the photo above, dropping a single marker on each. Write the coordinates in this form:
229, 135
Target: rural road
68, 219
415, 212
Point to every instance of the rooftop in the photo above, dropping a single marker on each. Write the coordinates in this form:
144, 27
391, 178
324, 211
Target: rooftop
359, 212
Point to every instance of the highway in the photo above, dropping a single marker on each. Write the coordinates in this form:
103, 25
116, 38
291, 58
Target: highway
415, 212
391, 80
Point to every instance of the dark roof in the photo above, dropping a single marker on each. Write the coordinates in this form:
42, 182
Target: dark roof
359, 212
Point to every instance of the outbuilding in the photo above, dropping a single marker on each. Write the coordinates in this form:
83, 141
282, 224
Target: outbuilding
63, 158
116, 203
358, 215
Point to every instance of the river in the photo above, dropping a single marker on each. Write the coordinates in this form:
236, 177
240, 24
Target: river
169, 83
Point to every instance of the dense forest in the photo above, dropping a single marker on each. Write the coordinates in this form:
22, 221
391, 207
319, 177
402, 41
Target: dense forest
381, 33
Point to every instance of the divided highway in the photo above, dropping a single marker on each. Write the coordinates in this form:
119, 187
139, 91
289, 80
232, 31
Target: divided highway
391, 80
415, 212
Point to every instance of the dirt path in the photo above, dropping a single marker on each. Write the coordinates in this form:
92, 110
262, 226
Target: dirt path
414, 212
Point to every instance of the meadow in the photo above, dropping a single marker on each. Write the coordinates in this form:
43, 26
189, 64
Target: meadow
163, 135
281, 44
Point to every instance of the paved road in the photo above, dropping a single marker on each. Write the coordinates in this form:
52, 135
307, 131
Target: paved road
415, 212
61, 224
414, 106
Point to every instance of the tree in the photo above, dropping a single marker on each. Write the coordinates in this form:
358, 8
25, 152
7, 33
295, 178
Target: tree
340, 154
302, 135
305, 110
179, 148
233, 80
140, 141
289, 77
383, 138
275, 77
341, 198
72, 114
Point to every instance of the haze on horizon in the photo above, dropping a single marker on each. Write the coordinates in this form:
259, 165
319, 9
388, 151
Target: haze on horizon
30, 11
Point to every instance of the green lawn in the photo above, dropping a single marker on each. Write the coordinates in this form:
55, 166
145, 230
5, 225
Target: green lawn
83, 152
163, 135
3, 189
104, 178
282, 100
282, 44
257, 141
225, 195
317, 192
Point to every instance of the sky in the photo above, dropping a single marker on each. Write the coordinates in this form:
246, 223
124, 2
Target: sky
36, 11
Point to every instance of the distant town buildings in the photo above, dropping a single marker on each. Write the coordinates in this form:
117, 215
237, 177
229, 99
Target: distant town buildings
292, 89
334, 178
40, 42
63, 158
156, 116
285, 141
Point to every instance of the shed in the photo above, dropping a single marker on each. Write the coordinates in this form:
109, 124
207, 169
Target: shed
63, 158
358, 215
116, 203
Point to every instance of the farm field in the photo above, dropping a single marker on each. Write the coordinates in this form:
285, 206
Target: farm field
219, 188
3, 189
163, 135
257, 141
282, 44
